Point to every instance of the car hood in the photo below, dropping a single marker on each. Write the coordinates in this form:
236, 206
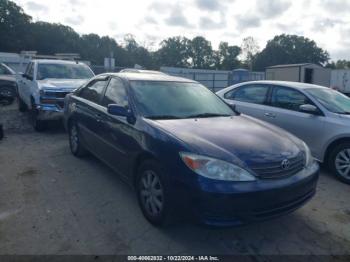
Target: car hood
11, 78
240, 139
66, 84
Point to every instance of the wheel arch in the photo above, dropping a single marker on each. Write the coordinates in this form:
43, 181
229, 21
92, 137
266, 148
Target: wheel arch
137, 163
332, 145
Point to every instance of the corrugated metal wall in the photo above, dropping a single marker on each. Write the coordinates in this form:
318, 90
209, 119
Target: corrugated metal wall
215, 80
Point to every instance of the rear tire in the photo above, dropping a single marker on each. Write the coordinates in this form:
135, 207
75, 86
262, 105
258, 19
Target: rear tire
339, 162
153, 194
75, 145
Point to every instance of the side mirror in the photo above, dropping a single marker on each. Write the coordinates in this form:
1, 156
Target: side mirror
234, 108
310, 109
117, 110
27, 77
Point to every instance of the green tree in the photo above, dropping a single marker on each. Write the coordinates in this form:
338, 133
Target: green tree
174, 51
340, 64
138, 54
14, 27
290, 49
226, 58
201, 53
95, 48
50, 38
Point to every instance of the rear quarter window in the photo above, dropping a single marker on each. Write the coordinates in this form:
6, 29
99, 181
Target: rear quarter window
255, 94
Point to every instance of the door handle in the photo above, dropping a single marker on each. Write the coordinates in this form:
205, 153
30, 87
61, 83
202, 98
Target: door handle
270, 115
98, 118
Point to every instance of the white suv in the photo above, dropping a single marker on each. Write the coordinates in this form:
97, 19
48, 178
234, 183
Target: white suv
44, 85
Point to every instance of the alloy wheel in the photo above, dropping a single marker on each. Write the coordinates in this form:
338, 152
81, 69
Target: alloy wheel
342, 163
151, 193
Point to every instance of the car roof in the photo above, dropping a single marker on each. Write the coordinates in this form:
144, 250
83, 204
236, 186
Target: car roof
150, 77
296, 85
53, 61
141, 71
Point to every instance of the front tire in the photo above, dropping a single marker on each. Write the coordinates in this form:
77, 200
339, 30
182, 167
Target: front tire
153, 194
75, 145
38, 125
339, 162
22, 107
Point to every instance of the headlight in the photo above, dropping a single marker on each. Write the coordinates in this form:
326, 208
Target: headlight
216, 169
309, 159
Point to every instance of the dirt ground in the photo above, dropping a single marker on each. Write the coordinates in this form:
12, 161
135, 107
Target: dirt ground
53, 203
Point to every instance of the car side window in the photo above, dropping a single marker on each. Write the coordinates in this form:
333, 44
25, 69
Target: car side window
231, 94
256, 94
31, 71
93, 91
288, 98
115, 93
29, 68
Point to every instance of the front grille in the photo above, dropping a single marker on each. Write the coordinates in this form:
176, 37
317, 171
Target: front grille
60, 104
284, 207
276, 170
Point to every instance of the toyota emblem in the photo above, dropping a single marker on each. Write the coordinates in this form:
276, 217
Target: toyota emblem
285, 164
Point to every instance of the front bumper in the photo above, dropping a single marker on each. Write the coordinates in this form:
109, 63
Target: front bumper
47, 112
230, 204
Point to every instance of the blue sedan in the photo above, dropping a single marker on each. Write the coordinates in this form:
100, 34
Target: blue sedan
187, 152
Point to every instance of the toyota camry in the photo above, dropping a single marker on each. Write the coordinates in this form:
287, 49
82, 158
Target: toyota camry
184, 150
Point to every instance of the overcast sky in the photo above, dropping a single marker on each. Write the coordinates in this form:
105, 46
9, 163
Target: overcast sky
325, 21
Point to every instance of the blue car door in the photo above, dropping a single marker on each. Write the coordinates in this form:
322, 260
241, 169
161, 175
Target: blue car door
89, 117
119, 135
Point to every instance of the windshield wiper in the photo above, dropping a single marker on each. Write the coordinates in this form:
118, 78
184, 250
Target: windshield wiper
207, 115
162, 117
343, 113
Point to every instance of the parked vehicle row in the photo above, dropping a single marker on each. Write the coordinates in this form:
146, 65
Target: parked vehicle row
183, 148
318, 115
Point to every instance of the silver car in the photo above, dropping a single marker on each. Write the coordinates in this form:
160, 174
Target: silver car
318, 115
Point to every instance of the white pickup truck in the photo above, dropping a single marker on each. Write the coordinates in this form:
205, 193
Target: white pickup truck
44, 85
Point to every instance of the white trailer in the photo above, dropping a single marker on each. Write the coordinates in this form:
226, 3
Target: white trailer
304, 73
340, 80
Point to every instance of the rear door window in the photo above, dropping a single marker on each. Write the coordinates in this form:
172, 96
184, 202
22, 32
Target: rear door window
255, 94
93, 91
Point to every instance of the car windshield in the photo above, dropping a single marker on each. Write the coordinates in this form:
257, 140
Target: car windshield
176, 100
332, 100
63, 71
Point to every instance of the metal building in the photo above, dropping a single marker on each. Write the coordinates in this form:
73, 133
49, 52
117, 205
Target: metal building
215, 80
304, 73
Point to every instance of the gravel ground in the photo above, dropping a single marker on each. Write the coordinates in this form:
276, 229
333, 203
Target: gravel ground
53, 203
